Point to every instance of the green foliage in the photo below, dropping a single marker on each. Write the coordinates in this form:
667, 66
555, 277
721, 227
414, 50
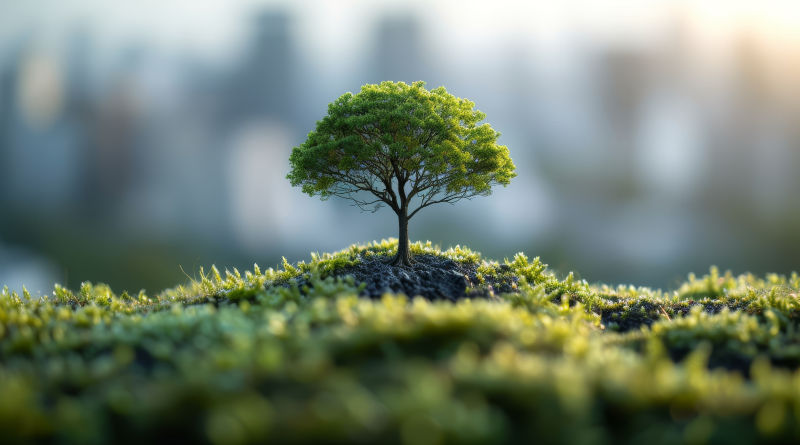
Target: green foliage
395, 131
294, 355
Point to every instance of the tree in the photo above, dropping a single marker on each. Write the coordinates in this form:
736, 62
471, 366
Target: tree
404, 147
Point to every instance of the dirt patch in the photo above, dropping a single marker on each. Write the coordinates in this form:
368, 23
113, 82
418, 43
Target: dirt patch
431, 276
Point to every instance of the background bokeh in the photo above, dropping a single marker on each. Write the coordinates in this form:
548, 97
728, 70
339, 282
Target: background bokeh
651, 138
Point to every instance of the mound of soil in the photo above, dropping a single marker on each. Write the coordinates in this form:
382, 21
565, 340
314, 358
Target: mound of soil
431, 276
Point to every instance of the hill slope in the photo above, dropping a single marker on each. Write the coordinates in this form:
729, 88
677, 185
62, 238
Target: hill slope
302, 355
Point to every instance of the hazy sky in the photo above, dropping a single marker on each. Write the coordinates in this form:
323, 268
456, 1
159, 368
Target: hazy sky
331, 28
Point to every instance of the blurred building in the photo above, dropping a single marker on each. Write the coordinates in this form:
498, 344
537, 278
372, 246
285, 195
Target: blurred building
263, 83
399, 52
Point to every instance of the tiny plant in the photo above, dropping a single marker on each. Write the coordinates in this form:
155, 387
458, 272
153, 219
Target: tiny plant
404, 147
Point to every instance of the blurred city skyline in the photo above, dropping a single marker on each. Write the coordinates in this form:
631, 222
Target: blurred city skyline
651, 138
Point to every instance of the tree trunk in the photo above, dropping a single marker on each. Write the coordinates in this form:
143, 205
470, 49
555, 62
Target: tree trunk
403, 257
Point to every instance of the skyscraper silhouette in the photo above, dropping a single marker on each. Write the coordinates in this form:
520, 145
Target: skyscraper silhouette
263, 84
399, 52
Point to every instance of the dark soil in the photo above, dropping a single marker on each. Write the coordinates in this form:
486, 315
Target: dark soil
431, 276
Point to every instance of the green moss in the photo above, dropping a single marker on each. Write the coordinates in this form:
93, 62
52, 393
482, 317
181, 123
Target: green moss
233, 358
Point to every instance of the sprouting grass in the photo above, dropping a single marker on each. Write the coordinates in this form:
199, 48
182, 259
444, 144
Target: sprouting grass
234, 358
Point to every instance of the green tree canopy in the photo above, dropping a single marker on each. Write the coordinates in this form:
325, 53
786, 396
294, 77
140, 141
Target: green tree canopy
404, 147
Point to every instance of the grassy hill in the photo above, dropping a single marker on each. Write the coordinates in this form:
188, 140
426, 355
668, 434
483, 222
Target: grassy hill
296, 356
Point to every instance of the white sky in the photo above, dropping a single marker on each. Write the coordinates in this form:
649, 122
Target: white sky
332, 28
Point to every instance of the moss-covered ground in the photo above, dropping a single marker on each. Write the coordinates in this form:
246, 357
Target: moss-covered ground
255, 358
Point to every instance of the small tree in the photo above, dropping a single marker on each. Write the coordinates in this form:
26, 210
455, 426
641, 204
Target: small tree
394, 143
